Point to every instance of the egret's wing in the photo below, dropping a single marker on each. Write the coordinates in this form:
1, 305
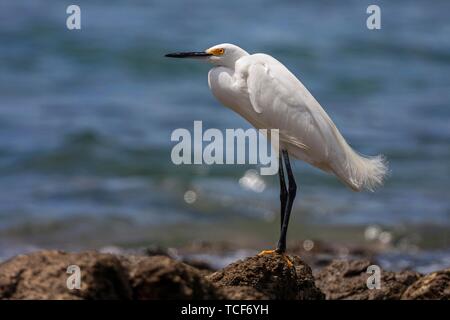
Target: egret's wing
256, 83
282, 101
287, 105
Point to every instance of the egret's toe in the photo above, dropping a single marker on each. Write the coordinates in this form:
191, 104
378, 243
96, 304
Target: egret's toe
286, 258
267, 252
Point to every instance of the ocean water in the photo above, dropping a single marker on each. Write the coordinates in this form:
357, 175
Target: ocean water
86, 118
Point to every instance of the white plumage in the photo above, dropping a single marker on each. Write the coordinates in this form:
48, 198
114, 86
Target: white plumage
263, 91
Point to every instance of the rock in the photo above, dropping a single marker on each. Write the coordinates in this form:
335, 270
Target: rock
348, 280
155, 250
160, 277
242, 293
433, 286
267, 277
43, 275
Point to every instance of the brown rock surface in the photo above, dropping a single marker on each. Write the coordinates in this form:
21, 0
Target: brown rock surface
43, 275
268, 277
435, 286
161, 277
348, 280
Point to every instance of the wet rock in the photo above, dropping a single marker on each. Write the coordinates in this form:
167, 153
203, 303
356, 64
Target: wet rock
434, 286
43, 275
348, 280
267, 277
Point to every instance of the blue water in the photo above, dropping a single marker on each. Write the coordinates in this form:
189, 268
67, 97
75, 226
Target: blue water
86, 118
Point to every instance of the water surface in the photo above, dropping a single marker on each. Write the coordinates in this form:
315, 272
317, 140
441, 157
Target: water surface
86, 118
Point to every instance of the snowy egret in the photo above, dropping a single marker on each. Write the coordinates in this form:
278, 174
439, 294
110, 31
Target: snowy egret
263, 91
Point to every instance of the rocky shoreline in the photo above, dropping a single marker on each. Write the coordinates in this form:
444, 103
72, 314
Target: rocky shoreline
43, 275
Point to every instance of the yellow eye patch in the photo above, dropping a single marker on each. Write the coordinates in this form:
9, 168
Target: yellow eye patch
217, 51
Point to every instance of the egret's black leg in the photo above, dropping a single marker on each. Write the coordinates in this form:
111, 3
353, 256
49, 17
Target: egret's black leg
292, 191
283, 190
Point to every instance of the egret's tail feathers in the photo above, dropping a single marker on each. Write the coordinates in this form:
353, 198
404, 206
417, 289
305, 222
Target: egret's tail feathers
360, 172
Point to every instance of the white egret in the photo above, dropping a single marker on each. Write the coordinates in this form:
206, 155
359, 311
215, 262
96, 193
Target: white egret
263, 91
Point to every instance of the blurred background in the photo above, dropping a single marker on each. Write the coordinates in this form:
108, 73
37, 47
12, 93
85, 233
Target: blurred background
86, 118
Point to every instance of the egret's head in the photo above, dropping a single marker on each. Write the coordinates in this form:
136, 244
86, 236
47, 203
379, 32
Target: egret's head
224, 54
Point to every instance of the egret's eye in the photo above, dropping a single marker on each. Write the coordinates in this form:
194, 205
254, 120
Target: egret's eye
218, 51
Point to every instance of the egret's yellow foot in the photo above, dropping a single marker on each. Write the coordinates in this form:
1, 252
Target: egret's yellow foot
267, 252
285, 257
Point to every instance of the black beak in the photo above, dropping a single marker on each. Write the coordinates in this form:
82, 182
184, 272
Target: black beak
188, 54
